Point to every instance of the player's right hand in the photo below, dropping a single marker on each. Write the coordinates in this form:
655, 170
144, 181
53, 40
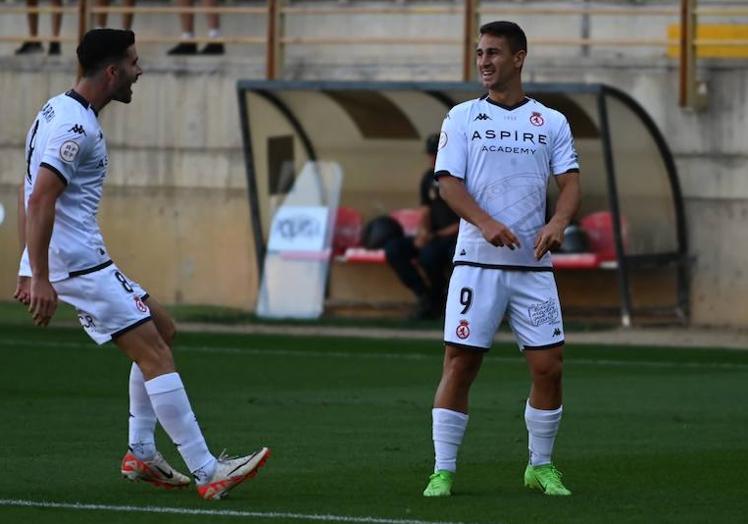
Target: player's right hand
43, 301
499, 235
23, 291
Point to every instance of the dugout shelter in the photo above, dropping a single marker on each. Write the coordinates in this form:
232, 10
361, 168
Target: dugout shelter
632, 209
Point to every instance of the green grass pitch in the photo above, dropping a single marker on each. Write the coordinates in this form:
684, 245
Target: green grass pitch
648, 435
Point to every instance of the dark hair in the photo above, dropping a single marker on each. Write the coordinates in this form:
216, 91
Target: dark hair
432, 143
509, 30
101, 47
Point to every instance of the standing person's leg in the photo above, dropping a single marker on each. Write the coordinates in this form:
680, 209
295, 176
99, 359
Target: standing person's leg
101, 18
434, 258
542, 418
142, 421
111, 307
127, 18
400, 253
215, 477
214, 20
145, 347
473, 313
544, 407
187, 21
54, 47
33, 22
214, 31
142, 460
450, 412
535, 317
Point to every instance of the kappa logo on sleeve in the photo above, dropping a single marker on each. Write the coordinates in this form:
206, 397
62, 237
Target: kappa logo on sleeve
69, 150
78, 129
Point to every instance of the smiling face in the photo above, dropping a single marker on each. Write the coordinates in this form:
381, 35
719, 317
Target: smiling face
123, 75
497, 66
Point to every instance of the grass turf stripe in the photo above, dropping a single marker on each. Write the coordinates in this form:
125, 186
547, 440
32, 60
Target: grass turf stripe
393, 356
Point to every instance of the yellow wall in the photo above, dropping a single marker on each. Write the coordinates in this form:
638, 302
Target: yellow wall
718, 32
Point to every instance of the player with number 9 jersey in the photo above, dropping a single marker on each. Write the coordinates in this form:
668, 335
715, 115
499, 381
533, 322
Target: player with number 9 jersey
496, 157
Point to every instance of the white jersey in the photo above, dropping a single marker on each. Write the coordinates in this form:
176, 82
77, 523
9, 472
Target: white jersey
505, 156
67, 139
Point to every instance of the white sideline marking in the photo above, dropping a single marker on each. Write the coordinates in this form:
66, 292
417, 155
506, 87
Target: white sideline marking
394, 356
212, 512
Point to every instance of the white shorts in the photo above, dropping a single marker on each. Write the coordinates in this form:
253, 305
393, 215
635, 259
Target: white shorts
480, 297
108, 303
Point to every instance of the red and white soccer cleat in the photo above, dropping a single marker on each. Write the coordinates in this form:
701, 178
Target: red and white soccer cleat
230, 472
155, 471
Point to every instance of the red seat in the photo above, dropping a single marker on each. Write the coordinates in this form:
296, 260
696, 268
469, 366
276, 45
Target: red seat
347, 233
599, 229
409, 218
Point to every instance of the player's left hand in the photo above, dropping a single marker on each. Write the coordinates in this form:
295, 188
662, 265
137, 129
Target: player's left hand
43, 302
550, 237
23, 290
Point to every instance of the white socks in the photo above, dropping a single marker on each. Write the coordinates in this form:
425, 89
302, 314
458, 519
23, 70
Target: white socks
172, 407
142, 422
448, 429
542, 426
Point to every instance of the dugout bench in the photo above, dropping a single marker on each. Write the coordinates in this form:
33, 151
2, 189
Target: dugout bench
375, 132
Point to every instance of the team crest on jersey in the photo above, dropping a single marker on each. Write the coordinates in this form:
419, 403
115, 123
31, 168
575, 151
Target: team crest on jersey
463, 330
69, 150
443, 138
536, 119
140, 305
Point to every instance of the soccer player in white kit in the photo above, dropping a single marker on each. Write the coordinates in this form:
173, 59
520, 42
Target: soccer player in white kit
65, 257
496, 156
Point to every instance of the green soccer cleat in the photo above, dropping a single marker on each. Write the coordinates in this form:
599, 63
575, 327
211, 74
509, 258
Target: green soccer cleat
545, 478
440, 484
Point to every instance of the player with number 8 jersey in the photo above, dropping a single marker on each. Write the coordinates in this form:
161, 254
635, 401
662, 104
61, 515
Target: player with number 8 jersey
496, 156
64, 257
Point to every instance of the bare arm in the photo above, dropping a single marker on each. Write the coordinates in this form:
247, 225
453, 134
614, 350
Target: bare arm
567, 205
40, 219
454, 192
21, 219
449, 230
424, 233
22, 292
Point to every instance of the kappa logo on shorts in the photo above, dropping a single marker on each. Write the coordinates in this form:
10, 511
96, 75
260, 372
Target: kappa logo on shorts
463, 330
140, 305
556, 332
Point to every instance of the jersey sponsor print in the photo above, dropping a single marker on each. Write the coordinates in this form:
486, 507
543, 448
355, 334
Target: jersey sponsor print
505, 155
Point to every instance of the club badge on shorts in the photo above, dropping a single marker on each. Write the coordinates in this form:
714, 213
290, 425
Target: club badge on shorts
140, 305
463, 330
